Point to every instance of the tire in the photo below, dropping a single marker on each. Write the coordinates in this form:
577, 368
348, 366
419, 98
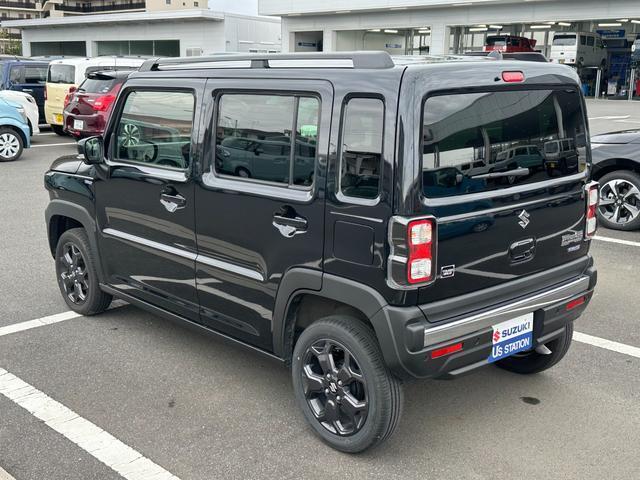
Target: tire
534, 362
374, 394
76, 275
58, 130
243, 172
619, 186
11, 145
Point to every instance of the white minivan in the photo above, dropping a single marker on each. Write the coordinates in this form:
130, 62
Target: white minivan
582, 49
64, 76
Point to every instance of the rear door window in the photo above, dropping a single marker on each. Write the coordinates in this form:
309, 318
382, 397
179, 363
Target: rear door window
60, 73
590, 41
255, 134
477, 142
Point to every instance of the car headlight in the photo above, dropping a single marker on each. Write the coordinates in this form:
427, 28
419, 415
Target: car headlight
23, 114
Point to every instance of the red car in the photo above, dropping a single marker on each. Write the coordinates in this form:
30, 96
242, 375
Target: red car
509, 43
87, 108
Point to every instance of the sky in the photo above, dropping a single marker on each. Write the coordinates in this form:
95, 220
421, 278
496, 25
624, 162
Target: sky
247, 7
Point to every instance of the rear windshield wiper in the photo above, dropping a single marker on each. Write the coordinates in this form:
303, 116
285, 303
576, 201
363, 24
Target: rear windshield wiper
520, 172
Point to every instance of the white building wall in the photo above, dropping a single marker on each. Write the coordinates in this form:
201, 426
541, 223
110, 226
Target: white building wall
438, 18
243, 34
208, 35
236, 33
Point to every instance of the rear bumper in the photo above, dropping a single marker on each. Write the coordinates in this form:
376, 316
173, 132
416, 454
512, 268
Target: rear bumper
92, 124
412, 338
53, 114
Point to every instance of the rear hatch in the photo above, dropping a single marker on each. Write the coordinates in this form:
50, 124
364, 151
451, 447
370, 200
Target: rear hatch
59, 78
503, 172
100, 88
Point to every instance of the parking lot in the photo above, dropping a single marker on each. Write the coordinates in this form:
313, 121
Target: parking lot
186, 405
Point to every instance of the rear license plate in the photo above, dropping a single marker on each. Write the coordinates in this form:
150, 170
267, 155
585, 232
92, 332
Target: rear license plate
561, 60
78, 124
511, 336
58, 118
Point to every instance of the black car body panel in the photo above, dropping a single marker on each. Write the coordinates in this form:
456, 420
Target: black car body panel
238, 256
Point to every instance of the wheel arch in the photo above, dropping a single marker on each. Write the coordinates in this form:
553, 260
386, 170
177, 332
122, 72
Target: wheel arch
614, 164
20, 133
61, 216
307, 295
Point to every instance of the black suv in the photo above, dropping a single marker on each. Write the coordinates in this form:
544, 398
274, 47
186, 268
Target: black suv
362, 219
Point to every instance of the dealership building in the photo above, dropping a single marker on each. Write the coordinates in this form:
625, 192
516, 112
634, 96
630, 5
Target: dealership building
409, 27
188, 32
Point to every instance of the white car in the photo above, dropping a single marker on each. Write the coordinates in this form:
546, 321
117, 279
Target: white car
29, 105
583, 49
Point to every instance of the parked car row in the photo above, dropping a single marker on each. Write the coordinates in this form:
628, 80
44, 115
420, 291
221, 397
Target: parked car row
37, 91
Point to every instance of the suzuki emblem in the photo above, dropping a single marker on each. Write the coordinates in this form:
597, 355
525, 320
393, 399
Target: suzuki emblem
524, 219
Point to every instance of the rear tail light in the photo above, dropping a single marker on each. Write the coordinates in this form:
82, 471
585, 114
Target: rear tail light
104, 102
69, 95
45, 91
592, 207
411, 261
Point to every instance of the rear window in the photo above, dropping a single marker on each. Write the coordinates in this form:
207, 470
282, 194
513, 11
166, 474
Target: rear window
95, 85
60, 73
478, 142
35, 74
497, 41
564, 40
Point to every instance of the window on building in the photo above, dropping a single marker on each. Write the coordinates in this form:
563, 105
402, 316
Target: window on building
361, 148
255, 134
160, 48
155, 128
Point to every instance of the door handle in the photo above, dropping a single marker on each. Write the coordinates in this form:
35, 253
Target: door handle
290, 226
172, 202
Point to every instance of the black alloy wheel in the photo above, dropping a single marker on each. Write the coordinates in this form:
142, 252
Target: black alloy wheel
347, 394
76, 274
73, 273
334, 387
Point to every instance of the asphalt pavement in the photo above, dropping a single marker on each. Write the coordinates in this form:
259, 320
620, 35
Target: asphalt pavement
202, 409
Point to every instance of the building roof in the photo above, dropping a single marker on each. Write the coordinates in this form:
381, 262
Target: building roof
135, 17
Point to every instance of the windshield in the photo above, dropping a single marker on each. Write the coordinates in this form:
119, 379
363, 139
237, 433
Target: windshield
478, 142
60, 73
564, 40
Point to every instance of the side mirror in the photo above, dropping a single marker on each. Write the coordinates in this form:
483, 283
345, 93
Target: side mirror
92, 149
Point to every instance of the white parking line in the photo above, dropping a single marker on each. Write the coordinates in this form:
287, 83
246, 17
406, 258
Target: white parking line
607, 344
610, 117
126, 461
4, 475
52, 145
38, 322
49, 320
617, 240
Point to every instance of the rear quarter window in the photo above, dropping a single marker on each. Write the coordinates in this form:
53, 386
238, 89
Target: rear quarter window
477, 142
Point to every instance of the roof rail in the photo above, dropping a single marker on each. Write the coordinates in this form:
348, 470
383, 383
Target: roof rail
357, 60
